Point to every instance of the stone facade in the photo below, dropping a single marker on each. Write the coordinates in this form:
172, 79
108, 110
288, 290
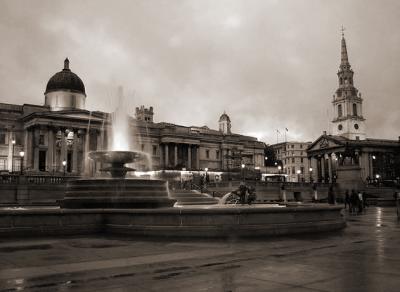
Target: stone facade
295, 163
347, 156
49, 136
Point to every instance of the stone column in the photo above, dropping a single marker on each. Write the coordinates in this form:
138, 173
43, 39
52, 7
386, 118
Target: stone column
75, 152
84, 151
189, 164
330, 168
166, 156
63, 150
198, 157
371, 168
323, 168
314, 165
176, 155
10, 151
36, 134
27, 142
50, 150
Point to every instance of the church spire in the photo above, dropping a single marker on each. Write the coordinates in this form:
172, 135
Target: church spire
344, 62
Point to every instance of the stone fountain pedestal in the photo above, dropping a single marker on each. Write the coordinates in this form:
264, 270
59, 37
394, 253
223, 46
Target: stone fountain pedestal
116, 192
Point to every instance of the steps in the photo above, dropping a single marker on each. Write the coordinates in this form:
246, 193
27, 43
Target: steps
190, 197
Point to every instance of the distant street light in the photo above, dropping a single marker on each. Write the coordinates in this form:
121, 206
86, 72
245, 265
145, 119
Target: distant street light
22, 154
243, 166
12, 156
64, 163
310, 170
298, 175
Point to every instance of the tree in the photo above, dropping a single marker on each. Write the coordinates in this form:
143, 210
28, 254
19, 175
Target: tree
270, 157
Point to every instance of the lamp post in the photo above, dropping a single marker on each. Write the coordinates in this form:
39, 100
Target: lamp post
64, 163
12, 156
298, 175
243, 166
310, 171
22, 154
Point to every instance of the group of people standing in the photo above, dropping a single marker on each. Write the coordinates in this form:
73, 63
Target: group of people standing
355, 201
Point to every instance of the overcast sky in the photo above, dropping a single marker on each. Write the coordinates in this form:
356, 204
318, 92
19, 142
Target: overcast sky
269, 64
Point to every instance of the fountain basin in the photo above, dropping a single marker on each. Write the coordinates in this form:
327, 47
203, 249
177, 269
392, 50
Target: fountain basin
116, 193
246, 221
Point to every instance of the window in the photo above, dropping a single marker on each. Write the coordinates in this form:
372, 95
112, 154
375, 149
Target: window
357, 137
41, 140
354, 109
2, 138
301, 153
301, 160
217, 154
3, 163
292, 146
293, 160
341, 80
356, 126
301, 146
207, 154
154, 150
340, 127
302, 169
339, 110
142, 146
293, 170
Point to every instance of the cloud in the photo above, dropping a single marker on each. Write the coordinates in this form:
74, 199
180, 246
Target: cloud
269, 64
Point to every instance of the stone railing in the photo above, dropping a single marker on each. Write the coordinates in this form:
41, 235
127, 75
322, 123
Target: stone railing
11, 179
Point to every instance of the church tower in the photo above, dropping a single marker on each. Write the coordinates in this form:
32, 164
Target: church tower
348, 120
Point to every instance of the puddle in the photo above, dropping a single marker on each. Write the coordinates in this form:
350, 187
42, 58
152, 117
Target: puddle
25, 248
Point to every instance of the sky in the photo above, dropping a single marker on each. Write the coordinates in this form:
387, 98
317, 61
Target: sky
270, 65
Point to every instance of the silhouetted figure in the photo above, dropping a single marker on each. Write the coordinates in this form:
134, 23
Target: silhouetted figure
251, 197
331, 196
360, 203
242, 193
364, 197
347, 200
353, 202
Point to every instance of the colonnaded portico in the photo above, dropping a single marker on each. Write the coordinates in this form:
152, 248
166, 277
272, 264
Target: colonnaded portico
336, 158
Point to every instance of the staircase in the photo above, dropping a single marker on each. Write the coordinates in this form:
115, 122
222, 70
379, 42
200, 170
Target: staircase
191, 197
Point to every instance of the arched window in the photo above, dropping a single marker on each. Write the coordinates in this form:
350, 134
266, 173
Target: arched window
354, 109
340, 80
339, 110
345, 80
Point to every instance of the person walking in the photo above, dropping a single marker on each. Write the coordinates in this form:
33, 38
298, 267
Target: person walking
331, 196
347, 200
360, 202
353, 202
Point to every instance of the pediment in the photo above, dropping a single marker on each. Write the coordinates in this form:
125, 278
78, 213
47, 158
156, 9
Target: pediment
326, 142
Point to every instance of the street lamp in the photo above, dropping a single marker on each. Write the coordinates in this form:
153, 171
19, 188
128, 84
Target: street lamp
64, 163
243, 166
12, 156
298, 175
22, 154
310, 171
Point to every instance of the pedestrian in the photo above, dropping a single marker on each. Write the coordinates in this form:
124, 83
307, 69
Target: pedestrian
360, 202
364, 197
347, 200
353, 202
331, 196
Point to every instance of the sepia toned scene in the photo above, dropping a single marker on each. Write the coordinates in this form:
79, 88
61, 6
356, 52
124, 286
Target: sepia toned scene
199, 145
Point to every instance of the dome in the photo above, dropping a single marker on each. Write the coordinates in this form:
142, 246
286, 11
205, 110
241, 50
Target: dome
224, 117
65, 80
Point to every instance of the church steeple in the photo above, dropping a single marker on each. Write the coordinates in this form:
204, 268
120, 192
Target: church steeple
348, 120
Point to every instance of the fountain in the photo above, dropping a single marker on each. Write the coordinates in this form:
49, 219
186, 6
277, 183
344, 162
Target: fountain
117, 191
137, 206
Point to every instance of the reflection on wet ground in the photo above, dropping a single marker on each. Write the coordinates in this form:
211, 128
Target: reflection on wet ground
363, 257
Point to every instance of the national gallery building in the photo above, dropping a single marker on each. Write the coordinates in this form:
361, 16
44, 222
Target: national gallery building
56, 137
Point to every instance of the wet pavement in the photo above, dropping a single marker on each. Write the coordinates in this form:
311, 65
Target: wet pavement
363, 257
